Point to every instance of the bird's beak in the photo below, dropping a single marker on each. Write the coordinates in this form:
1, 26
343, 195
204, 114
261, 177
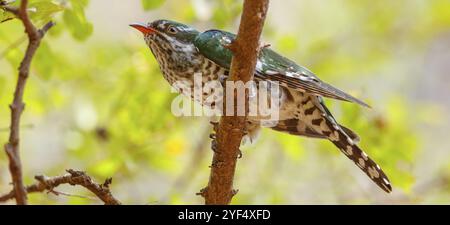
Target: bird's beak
143, 28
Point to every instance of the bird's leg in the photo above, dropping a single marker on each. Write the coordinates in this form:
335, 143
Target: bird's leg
223, 79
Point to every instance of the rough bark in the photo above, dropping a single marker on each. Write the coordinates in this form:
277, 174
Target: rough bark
73, 177
231, 129
17, 106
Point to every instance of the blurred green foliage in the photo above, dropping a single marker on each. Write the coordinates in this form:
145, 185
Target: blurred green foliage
152, 4
75, 20
101, 105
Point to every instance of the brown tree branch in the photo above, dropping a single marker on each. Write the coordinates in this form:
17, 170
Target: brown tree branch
10, 9
17, 106
231, 129
73, 177
5, 6
12, 147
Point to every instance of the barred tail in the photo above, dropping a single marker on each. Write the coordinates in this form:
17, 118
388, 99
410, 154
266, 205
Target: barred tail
347, 146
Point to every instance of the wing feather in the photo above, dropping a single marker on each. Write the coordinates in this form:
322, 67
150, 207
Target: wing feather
270, 66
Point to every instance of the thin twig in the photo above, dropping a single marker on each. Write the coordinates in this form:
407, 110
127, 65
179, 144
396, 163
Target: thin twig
57, 193
10, 9
73, 177
231, 128
17, 106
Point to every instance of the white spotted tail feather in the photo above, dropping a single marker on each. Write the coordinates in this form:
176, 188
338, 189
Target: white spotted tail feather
358, 156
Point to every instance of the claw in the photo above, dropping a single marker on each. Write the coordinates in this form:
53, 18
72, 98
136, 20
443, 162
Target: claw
202, 192
223, 79
239, 154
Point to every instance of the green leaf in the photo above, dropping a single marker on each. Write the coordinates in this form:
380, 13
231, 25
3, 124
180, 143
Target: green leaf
76, 21
44, 10
151, 4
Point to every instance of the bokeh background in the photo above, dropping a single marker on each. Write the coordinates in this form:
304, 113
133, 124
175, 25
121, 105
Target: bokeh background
96, 101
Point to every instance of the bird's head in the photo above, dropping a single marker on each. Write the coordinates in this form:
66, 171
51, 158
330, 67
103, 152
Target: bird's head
167, 34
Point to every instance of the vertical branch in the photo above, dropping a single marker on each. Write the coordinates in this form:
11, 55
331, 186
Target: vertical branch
231, 129
17, 106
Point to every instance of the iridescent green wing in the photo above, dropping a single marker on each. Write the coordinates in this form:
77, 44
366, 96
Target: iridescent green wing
211, 45
270, 66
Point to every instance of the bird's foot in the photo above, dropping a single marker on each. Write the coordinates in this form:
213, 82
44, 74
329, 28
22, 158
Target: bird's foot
239, 154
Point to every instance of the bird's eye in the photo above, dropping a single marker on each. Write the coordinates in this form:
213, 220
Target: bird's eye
172, 30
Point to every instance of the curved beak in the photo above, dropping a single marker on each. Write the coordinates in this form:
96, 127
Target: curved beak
143, 28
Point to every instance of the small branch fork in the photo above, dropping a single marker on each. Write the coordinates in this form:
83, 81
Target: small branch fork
73, 177
231, 129
17, 106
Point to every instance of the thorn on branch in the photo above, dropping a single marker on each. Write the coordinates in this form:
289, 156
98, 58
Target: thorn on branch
107, 182
234, 192
76, 173
202, 192
73, 177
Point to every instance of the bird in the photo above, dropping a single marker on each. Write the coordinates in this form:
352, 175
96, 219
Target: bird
182, 51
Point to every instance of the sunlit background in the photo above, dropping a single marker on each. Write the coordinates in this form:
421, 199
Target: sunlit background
96, 101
